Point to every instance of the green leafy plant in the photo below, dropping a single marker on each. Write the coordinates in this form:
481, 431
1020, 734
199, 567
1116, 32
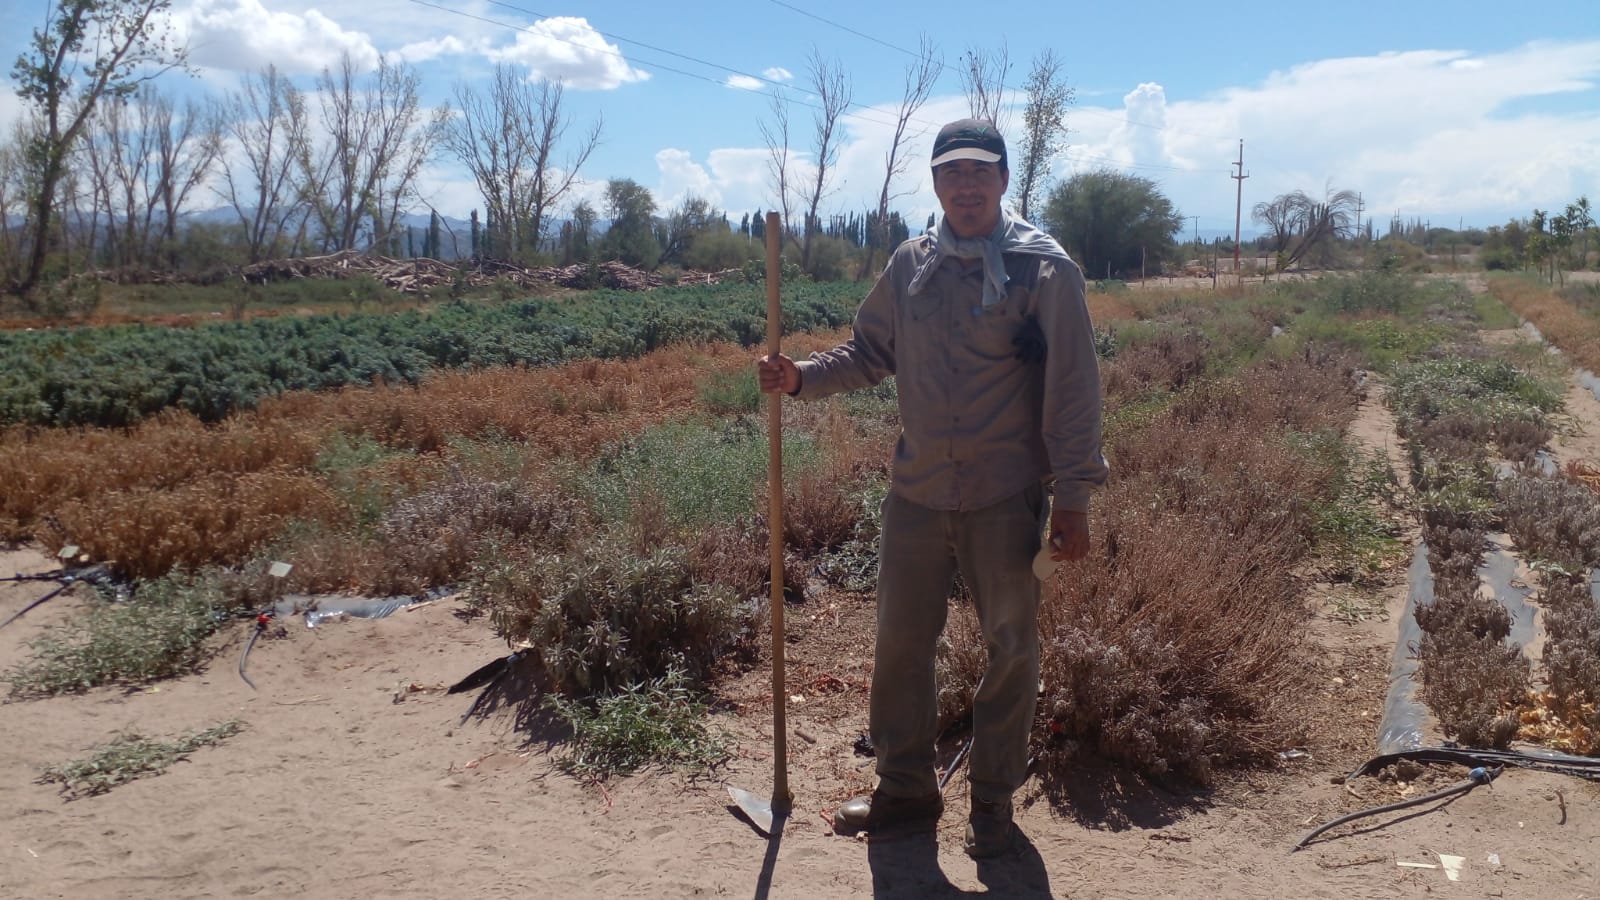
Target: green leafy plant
658, 722
130, 756
159, 633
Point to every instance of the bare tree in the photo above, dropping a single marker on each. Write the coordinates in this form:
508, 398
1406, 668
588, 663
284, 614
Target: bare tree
920, 78
1304, 228
144, 160
377, 139
14, 186
1044, 129
187, 149
776, 134
832, 88
983, 80
266, 120
87, 50
509, 141
118, 152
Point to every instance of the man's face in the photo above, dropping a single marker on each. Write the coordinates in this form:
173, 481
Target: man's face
970, 192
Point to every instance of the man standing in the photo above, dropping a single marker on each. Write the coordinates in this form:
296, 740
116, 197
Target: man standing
985, 326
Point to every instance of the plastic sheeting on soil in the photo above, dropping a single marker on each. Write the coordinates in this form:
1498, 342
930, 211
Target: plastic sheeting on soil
1405, 716
319, 608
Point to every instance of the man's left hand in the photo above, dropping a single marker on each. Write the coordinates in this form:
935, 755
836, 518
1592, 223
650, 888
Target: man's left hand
1069, 535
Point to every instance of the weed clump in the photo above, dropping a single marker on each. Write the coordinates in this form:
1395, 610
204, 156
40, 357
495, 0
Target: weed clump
602, 619
159, 633
657, 722
131, 756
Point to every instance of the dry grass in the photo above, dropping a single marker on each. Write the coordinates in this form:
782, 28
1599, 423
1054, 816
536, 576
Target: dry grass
146, 532
1561, 323
174, 491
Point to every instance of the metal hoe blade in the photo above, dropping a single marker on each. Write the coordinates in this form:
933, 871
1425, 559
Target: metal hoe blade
757, 809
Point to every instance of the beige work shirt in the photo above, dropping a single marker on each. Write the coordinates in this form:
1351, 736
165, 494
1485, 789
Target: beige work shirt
978, 423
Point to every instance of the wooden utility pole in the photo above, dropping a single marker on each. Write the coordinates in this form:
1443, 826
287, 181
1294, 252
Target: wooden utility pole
1238, 206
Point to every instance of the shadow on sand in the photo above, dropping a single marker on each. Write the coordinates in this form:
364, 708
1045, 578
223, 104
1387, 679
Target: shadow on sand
906, 866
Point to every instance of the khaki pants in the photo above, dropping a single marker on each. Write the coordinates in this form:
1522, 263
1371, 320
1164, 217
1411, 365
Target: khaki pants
920, 552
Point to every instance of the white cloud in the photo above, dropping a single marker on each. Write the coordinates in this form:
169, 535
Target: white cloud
744, 82
244, 36
777, 73
568, 49
422, 51
681, 177
1418, 133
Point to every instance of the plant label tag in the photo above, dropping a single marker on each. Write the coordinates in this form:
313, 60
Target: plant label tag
67, 552
279, 570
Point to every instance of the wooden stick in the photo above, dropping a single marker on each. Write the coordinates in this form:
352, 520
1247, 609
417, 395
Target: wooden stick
782, 800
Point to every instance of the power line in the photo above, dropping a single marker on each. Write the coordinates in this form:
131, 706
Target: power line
783, 91
914, 55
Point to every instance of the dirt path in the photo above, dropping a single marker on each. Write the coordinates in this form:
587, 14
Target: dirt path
354, 777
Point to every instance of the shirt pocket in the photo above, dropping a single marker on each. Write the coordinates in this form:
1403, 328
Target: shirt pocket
994, 329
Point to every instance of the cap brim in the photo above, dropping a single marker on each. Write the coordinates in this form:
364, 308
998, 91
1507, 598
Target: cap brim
964, 153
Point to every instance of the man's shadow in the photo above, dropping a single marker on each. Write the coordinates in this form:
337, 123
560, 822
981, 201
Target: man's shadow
906, 866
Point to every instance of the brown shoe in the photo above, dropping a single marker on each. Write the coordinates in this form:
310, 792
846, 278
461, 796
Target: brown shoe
989, 829
878, 811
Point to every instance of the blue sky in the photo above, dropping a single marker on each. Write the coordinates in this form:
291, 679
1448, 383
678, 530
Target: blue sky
1460, 111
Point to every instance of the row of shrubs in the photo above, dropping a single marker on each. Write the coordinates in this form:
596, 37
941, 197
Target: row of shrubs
605, 513
1466, 415
119, 375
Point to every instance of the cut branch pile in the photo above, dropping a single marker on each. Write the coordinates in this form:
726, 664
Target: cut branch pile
421, 274
412, 276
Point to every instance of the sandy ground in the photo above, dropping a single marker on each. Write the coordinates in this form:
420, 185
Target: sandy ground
356, 777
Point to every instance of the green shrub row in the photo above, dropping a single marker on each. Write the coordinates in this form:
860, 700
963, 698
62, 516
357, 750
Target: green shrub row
116, 376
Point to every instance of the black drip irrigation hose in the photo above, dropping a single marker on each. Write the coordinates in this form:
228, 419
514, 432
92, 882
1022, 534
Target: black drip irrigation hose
262, 618
1477, 776
960, 757
19, 613
1584, 767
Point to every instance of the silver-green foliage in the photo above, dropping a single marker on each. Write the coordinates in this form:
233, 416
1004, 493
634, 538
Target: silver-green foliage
659, 722
130, 756
159, 633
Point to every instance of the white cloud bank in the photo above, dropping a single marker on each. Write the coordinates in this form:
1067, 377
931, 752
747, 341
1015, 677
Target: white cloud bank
568, 49
1419, 133
244, 36
1425, 133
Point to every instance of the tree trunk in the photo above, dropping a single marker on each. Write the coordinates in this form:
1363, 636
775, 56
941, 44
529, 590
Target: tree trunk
42, 209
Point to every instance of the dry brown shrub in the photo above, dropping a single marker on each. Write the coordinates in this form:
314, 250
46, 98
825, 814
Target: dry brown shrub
328, 562
1313, 392
1572, 652
1104, 307
1553, 519
82, 475
1170, 650
431, 538
1180, 643
1562, 324
44, 469
1585, 474
219, 518
821, 507
961, 662
1472, 679
1167, 362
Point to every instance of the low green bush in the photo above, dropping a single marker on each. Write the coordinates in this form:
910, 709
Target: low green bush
159, 633
658, 722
